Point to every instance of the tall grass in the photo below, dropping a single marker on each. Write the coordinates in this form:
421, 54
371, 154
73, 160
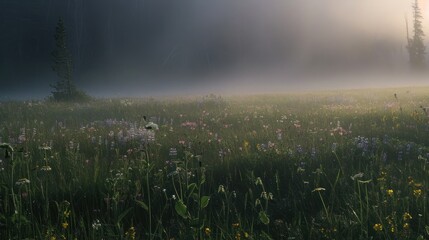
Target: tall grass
328, 165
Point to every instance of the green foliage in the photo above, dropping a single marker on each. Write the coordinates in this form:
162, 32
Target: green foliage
181, 209
330, 165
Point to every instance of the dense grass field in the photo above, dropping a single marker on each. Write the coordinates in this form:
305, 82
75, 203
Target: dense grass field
325, 165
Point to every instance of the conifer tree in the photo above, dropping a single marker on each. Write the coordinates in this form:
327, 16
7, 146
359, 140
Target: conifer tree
64, 89
416, 47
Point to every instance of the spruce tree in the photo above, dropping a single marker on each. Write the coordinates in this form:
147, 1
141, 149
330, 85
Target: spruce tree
64, 89
416, 47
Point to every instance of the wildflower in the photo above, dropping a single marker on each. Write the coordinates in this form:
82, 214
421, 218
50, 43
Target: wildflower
22, 181
131, 233
410, 180
246, 144
65, 225
390, 192
406, 226
417, 193
207, 231
45, 147
299, 149
173, 152
334, 147
221, 189
279, 136
222, 153
390, 219
407, 217
96, 224
46, 168
246, 235
236, 225
378, 227
66, 213
237, 236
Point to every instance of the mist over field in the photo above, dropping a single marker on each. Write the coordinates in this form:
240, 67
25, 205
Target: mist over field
214, 120
141, 48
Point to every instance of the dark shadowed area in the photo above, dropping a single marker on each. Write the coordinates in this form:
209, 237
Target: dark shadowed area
160, 47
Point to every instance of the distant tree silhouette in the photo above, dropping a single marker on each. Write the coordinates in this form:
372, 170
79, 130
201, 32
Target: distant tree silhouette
64, 88
416, 47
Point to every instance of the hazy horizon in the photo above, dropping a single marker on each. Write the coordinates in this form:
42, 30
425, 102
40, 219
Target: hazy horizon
141, 48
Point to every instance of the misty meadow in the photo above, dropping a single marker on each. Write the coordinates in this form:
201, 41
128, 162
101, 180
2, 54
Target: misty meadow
325, 165
179, 120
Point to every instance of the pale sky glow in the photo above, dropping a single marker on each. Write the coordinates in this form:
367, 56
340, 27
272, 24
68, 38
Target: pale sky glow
170, 44
377, 18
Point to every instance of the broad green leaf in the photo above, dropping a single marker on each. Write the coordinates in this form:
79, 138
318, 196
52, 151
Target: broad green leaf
204, 201
143, 205
264, 217
181, 209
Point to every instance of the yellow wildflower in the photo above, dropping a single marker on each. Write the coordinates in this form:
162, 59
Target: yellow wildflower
389, 220
407, 217
378, 227
246, 235
417, 193
131, 233
207, 231
406, 226
65, 225
390, 192
246, 144
237, 236
410, 180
